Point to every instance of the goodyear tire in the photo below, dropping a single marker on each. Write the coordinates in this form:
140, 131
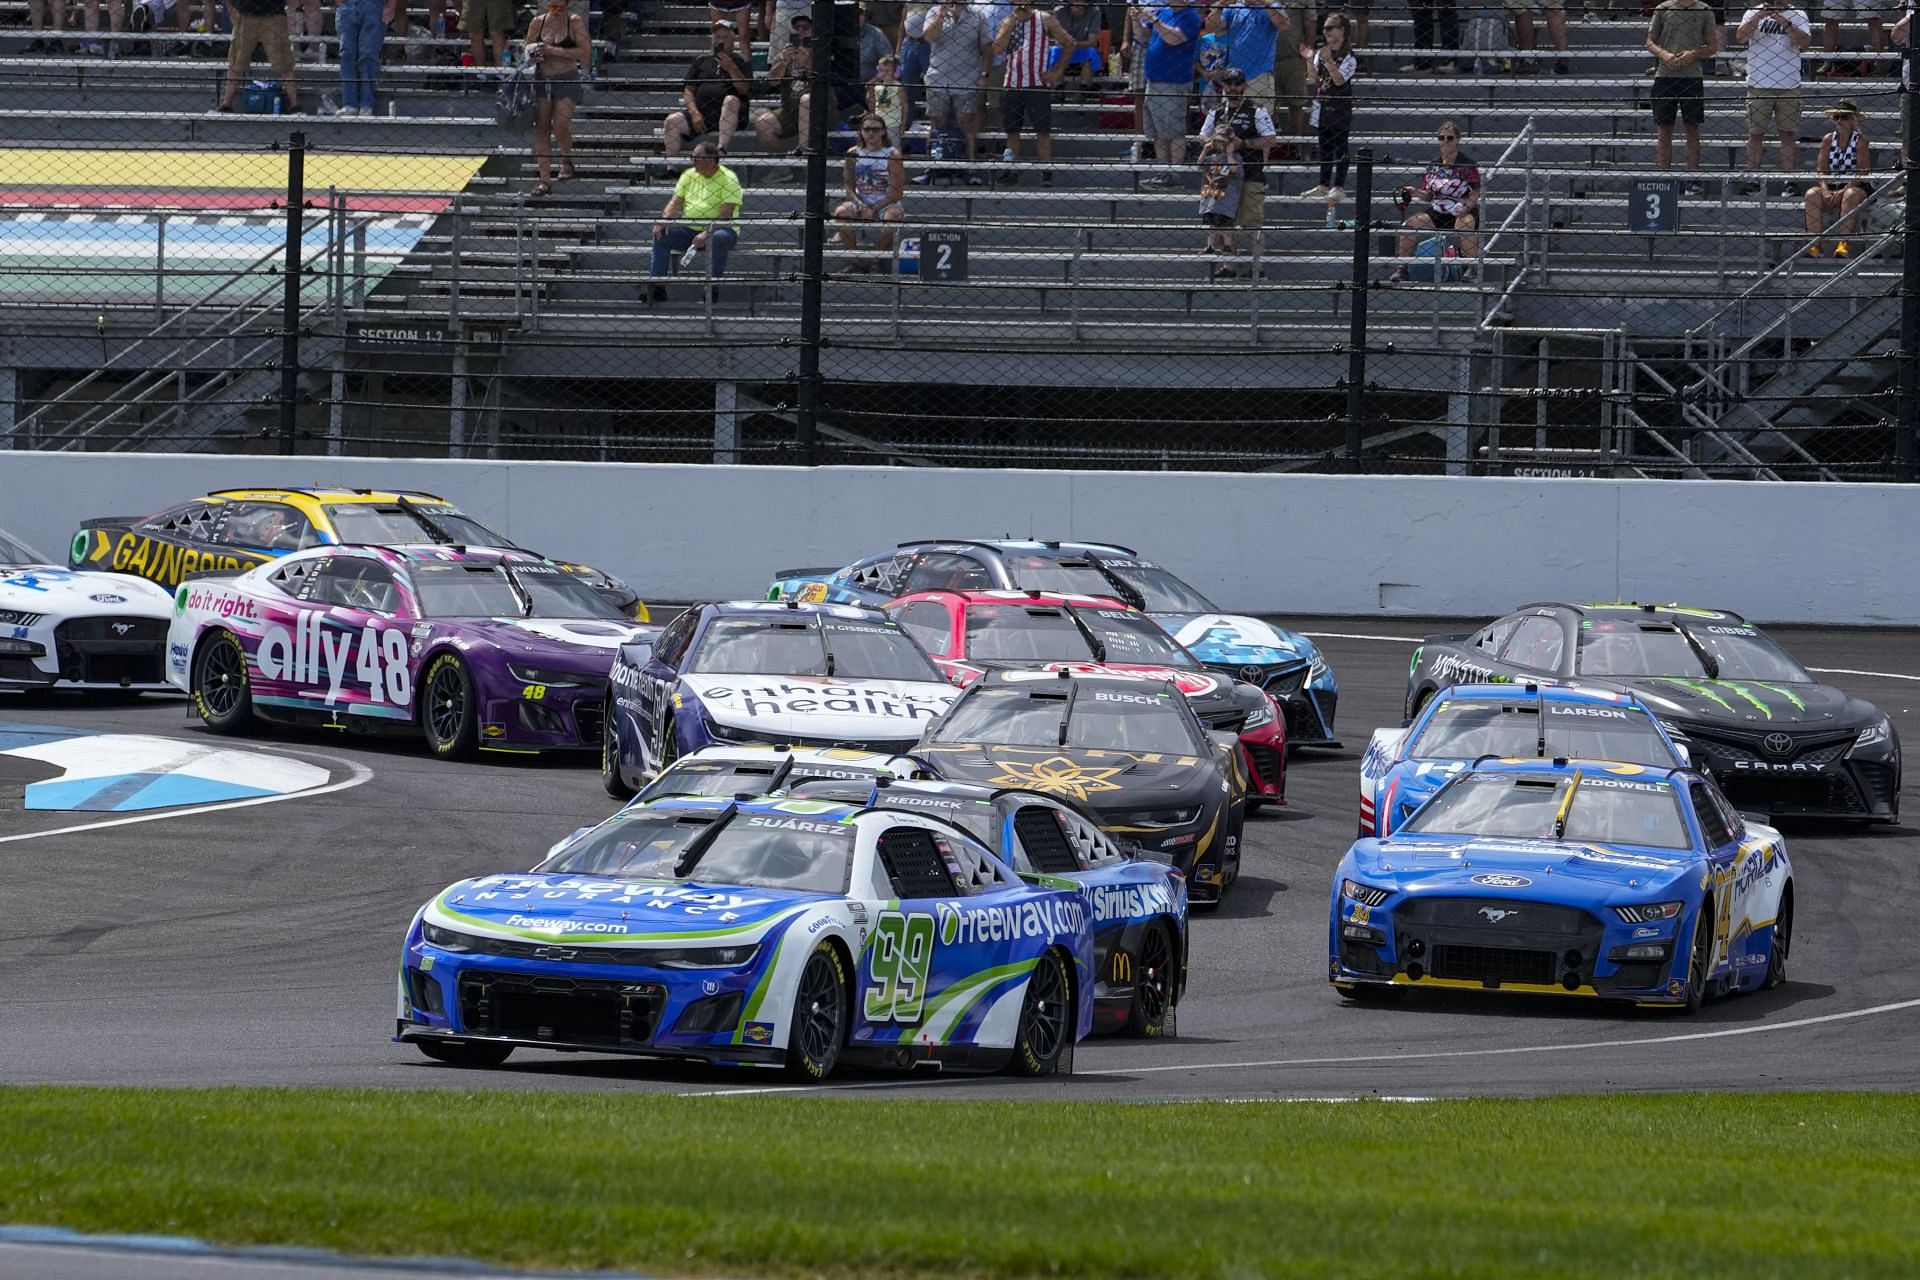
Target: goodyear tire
222, 690
1782, 943
819, 1016
448, 716
1152, 1004
610, 758
1046, 1019
465, 1053
1701, 957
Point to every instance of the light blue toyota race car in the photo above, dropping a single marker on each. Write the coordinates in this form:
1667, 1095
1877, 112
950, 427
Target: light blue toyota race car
1567, 877
1403, 767
1284, 663
782, 932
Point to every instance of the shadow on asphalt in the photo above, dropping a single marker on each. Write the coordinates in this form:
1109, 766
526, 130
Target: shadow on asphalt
1754, 1006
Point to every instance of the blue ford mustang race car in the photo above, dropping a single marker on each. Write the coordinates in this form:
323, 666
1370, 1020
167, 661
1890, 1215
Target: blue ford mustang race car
1284, 663
1567, 877
817, 675
777, 931
1403, 767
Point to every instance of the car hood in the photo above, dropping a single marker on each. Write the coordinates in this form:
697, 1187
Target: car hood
604, 910
822, 707
1748, 704
588, 642
1532, 868
1103, 779
1207, 691
66, 593
1228, 639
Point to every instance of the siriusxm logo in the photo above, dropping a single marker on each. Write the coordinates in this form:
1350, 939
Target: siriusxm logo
1128, 901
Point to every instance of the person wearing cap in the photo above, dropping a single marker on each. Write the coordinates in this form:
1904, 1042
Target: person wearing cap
713, 96
782, 129
1238, 132
738, 16
1682, 35
1844, 164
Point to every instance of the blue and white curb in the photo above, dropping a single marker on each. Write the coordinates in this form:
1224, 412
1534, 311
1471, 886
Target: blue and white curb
124, 773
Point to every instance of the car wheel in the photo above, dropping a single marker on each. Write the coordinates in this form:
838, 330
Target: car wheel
610, 759
465, 1053
1782, 943
1702, 957
1046, 1018
222, 693
447, 712
1153, 993
819, 1016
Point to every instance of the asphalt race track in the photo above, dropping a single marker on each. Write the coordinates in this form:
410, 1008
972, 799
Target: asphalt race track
257, 945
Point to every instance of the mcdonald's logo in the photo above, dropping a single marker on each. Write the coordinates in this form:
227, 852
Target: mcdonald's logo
1122, 965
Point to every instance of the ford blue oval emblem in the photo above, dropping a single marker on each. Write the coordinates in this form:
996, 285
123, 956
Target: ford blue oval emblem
1498, 881
106, 598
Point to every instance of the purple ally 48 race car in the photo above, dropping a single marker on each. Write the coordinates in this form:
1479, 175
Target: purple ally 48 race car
474, 648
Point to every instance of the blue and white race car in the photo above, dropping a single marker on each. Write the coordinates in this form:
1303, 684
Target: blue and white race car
1567, 877
1284, 663
812, 675
1138, 903
1403, 767
78, 629
778, 931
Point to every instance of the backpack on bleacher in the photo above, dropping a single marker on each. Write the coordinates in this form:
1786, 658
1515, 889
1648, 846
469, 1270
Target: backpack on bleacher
946, 144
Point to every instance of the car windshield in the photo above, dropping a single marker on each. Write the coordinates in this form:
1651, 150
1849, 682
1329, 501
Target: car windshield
390, 524
13, 552
715, 778
1602, 809
464, 589
1156, 590
638, 842
1101, 718
1065, 577
1622, 648
1127, 636
1466, 729
1025, 633
804, 645
772, 851
1742, 653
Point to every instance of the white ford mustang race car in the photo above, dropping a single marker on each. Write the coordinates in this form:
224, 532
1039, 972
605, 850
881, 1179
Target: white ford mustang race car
71, 630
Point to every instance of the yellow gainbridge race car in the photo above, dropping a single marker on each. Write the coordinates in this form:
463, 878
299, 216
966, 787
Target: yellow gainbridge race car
234, 529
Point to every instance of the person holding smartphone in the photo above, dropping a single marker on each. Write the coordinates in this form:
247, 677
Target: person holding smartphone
1775, 34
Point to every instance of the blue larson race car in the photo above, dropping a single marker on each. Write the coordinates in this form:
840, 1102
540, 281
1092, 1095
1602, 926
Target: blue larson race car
1284, 663
817, 675
1138, 904
1567, 877
777, 931
1403, 767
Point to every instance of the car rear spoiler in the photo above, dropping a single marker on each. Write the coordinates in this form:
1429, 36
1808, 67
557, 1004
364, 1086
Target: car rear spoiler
201, 575
1464, 635
805, 573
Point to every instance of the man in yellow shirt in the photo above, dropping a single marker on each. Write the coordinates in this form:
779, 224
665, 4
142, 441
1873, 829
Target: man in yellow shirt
699, 215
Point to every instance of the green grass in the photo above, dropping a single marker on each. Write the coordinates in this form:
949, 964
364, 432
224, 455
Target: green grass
1811, 1185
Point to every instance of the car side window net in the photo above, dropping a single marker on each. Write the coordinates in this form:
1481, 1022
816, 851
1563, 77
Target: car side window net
914, 865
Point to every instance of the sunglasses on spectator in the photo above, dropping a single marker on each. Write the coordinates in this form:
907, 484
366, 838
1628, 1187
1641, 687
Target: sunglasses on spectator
1447, 137
873, 128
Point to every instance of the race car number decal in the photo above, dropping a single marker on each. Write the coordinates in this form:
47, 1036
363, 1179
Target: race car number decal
312, 654
902, 955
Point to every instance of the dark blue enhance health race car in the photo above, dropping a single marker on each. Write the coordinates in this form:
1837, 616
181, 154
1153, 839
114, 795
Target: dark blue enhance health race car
776, 931
1286, 664
1567, 877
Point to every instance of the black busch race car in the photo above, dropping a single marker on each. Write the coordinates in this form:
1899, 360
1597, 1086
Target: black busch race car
1132, 751
1777, 741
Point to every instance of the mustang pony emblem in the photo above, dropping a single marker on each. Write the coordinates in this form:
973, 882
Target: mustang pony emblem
1495, 915
1057, 776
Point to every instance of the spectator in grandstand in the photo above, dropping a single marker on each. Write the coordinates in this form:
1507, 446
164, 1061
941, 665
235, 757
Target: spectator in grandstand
1682, 35
1290, 72
259, 24
875, 182
713, 96
1170, 37
960, 44
1252, 29
886, 17
361, 26
117, 22
914, 54
1774, 34
487, 23
307, 29
184, 21
558, 49
1086, 24
1027, 102
699, 215
1210, 61
1240, 131
738, 15
1556, 11
1333, 68
874, 46
887, 99
50, 17
1431, 18
780, 15
1845, 163
1874, 13
1450, 192
784, 127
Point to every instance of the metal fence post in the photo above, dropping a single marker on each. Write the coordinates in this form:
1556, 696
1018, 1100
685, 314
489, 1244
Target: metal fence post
813, 234
290, 288
1357, 324
1906, 445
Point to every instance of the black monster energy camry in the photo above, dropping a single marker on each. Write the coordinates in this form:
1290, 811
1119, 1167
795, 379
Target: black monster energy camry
1775, 739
